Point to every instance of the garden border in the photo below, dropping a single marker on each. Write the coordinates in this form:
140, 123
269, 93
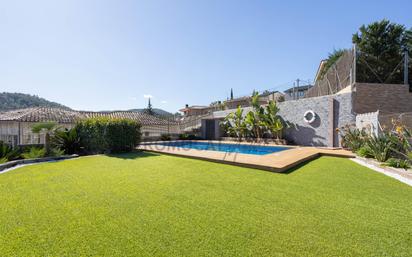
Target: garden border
396, 173
8, 165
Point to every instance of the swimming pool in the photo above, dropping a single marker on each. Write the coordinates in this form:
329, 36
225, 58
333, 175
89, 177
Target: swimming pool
223, 147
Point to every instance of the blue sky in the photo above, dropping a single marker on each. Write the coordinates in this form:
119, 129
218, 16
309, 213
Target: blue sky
103, 55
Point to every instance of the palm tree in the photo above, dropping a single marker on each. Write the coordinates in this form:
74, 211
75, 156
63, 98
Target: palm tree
235, 123
272, 120
255, 119
48, 128
68, 140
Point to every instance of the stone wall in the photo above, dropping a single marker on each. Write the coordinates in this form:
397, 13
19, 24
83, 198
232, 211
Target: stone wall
387, 98
332, 111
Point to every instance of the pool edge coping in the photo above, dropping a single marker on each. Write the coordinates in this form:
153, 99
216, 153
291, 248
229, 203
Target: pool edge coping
274, 162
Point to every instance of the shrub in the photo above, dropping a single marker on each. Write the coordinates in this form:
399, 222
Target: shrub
7, 152
102, 135
165, 137
364, 151
398, 163
3, 160
380, 147
352, 138
56, 152
67, 140
34, 152
122, 135
92, 134
188, 137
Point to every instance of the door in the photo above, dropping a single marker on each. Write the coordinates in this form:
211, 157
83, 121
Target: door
210, 129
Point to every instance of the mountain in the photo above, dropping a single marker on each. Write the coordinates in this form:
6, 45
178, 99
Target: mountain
10, 101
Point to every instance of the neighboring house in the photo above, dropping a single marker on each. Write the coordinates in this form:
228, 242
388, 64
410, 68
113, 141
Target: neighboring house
16, 125
267, 96
295, 93
244, 101
239, 101
197, 110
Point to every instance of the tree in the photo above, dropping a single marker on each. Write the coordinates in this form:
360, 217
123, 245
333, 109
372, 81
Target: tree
48, 128
231, 94
234, 122
255, 120
149, 109
273, 122
381, 47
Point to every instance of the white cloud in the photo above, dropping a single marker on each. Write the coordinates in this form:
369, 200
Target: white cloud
147, 96
164, 102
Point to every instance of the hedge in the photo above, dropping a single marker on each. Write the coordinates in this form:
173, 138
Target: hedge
105, 135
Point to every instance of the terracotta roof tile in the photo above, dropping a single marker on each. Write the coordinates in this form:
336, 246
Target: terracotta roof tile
44, 114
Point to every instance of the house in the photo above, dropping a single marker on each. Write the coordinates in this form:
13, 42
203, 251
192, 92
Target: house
295, 93
197, 110
233, 103
16, 125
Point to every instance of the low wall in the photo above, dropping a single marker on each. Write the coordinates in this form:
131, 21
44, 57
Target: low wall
368, 122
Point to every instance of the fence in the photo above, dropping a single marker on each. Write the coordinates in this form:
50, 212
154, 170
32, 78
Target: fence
172, 126
337, 77
357, 66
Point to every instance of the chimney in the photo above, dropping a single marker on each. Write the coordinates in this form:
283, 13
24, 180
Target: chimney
187, 106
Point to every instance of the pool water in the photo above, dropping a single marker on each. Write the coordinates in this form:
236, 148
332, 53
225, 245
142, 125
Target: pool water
229, 148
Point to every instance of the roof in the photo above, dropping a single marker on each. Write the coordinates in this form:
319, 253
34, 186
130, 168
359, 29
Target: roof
46, 114
194, 107
266, 93
243, 98
300, 88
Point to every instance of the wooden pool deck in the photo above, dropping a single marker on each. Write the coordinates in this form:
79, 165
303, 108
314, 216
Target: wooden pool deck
275, 162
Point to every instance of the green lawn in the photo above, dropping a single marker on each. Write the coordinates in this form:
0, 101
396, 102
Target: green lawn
157, 205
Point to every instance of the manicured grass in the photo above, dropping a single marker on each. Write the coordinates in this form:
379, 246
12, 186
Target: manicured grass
156, 205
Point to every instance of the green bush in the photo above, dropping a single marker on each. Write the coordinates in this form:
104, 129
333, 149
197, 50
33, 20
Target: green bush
7, 152
352, 138
380, 147
122, 135
34, 153
165, 137
188, 137
3, 160
56, 152
364, 151
102, 135
67, 140
398, 163
92, 134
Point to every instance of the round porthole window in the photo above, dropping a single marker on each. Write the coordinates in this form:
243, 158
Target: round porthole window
309, 116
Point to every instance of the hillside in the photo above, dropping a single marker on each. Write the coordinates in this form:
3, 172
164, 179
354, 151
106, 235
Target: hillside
10, 101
